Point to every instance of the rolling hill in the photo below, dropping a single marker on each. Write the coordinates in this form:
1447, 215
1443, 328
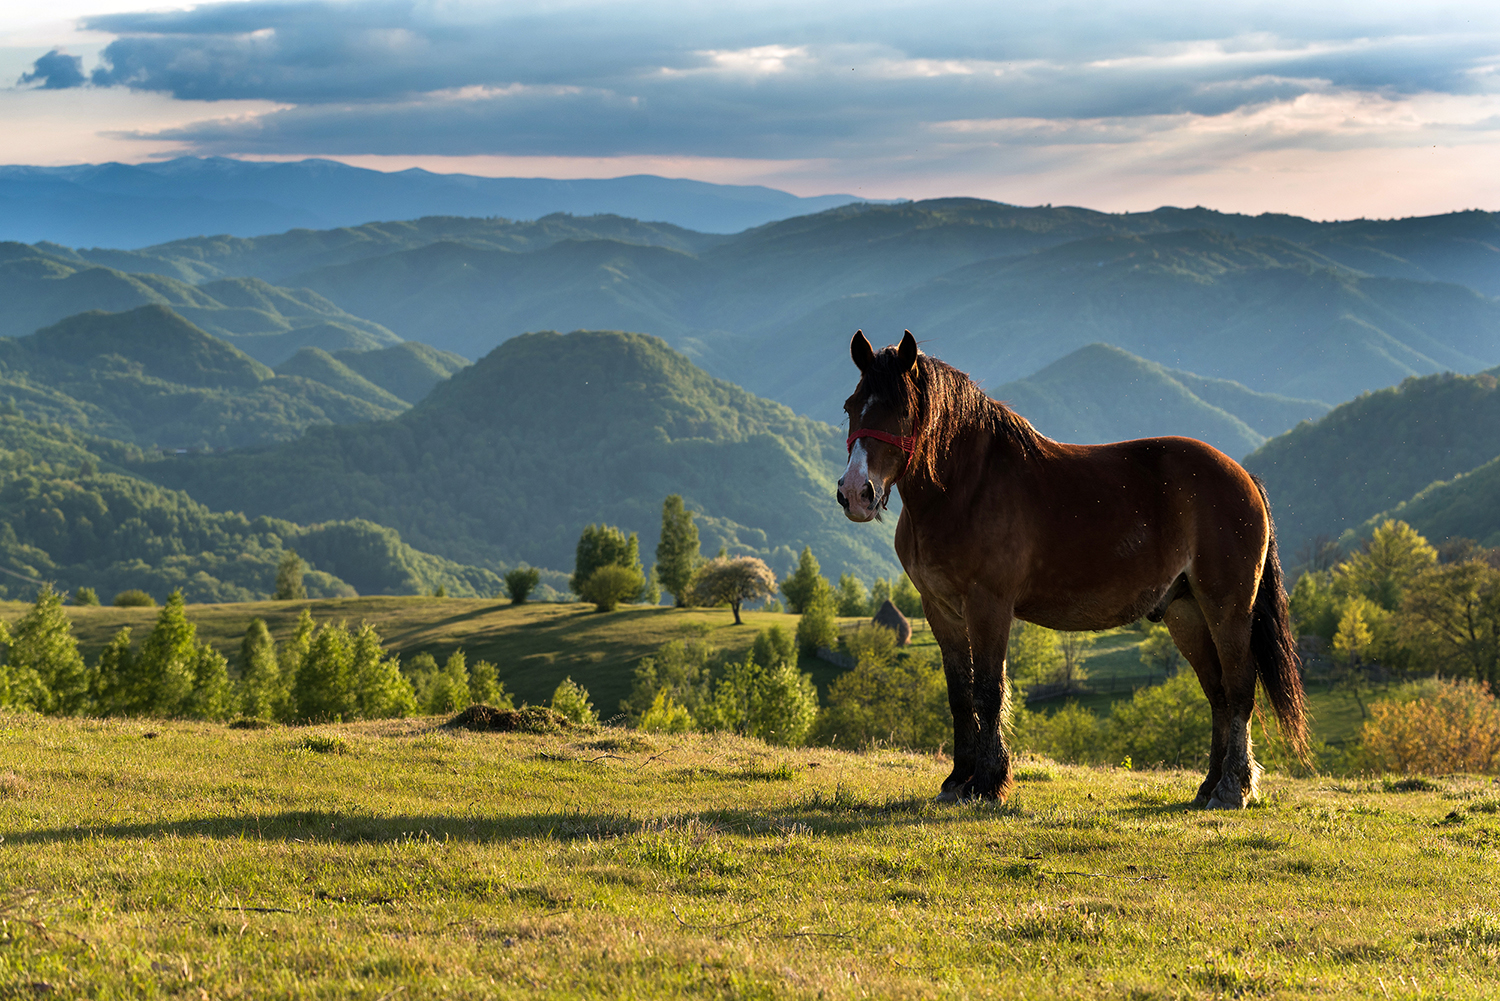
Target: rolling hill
1100, 393
1367, 456
509, 459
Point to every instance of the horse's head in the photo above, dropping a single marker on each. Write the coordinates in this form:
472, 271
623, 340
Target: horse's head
881, 425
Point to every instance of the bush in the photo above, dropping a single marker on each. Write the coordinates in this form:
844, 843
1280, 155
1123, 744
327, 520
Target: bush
520, 582
678, 672
898, 699
134, 598
665, 716
1073, 734
1168, 724
611, 584
43, 669
86, 597
774, 702
572, 700
1449, 726
818, 627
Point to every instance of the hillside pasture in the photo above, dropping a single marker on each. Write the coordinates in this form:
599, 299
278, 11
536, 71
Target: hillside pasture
143, 859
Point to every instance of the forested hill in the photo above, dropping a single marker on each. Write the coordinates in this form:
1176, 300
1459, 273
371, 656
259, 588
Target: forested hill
72, 515
508, 460
1374, 452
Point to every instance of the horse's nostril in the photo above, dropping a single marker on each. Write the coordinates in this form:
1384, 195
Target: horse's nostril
843, 501
841, 481
867, 492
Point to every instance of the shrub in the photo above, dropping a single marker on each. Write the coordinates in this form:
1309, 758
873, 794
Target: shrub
43, 669
600, 546
818, 627
900, 699
611, 584
665, 716
572, 700
134, 598
1168, 724
1072, 734
678, 672
86, 597
1452, 726
324, 687
441, 690
774, 702
289, 574
520, 582
381, 691
486, 688
265, 694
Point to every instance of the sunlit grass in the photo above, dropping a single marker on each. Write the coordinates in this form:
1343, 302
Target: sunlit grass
147, 859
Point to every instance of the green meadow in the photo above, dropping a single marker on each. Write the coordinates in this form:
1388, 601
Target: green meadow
400, 859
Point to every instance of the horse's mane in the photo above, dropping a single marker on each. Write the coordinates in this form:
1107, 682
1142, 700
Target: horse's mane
943, 403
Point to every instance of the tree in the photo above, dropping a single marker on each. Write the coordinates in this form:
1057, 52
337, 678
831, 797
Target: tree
486, 688
165, 672
851, 598
86, 597
265, 692
1158, 651
905, 597
818, 627
291, 655
289, 574
733, 581
113, 674
1075, 648
1387, 565
1451, 619
520, 582
899, 699
324, 688
1350, 644
777, 704
1168, 724
801, 583
381, 691
679, 672
1072, 734
572, 700
604, 545
447, 689
677, 555
1033, 655
212, 696
46, 670
611, 584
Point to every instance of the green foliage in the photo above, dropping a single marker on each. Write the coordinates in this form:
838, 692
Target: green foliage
166, 669
86, 597
44, 669
1168, 724
665, 716
880, 593
1159, 652
777, 704
677, 555
1033, 655
572, 700
520, 582
803, 582
381, 691
1451, 620
732, 581
114, 674
265, 693
324, 689
818, 627
291, 655
772, 646
1315, 605
851, 599
212, 696
905, 597
134, 598
486, 688
1072, 734
601, 546
611, 584
1382, 570
289, 574
896, 699
678, 672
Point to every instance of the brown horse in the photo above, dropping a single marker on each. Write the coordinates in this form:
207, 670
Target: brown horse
999, 522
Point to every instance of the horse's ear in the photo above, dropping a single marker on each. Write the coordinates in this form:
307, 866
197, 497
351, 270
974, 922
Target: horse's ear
861, 352
906, 354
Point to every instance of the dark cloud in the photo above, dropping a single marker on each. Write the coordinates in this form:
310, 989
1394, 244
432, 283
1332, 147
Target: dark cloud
55, 71
778, 80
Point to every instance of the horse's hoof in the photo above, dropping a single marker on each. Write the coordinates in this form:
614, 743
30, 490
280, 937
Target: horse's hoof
1215, 803
946, 796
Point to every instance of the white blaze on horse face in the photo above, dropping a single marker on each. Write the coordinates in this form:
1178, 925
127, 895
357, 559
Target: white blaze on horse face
856, 473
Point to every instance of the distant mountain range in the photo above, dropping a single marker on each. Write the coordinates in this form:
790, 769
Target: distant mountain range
133, 205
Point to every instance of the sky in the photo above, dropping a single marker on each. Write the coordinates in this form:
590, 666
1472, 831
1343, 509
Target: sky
1328, 110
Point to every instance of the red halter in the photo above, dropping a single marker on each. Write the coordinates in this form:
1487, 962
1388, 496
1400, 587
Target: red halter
905, 443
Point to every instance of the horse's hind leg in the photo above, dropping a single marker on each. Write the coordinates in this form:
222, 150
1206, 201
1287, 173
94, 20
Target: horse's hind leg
1190, 632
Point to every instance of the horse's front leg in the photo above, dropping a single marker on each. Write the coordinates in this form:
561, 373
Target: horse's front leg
989, 631
953, 640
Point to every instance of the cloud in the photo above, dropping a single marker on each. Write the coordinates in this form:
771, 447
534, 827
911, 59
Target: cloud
777, 79
55, 71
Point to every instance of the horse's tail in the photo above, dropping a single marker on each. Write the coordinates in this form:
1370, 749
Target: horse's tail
1274, 647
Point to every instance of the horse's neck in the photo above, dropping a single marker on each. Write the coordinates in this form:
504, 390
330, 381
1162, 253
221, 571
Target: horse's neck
963, 464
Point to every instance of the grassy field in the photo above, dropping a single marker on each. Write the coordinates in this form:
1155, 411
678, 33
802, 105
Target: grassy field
144, 859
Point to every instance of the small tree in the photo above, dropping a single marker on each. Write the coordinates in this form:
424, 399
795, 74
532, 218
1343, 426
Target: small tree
679, 671
611, 584
47, 671
291, 655
134, 598
800, 586
898, 699
1158, 651
165, 672
447, 690
666, 716
677, 555
86, 597
605, 545
1168, 724
1075, 648
733, 581
265, 693
775, 703
851, 597
520, 582
289, 574
818, 627
486, 688
1033, 655
906, 598
572, 700
381, 691
110, 681
324, 689
212, 697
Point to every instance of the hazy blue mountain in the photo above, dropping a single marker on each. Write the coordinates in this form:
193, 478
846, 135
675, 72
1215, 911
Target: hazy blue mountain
320, 366
1372, 453
509, 459
269, 322
150, 377
408, 370
1100, 393
122, 205
1467, 506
